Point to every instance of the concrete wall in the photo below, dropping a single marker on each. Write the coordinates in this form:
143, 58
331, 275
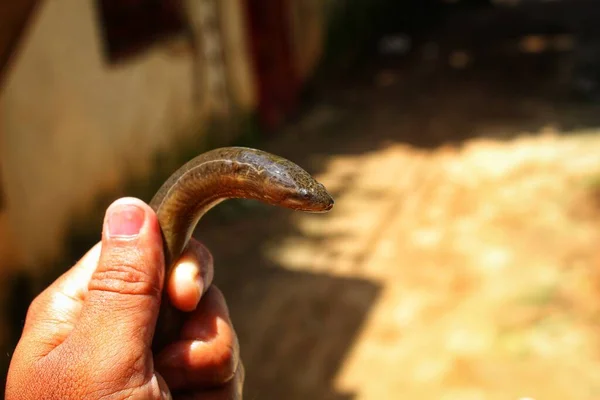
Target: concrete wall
73, 126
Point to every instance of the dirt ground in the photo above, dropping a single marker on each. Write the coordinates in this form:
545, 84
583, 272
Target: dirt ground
462, 257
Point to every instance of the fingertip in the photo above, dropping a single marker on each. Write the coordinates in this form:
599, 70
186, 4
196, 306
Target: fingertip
206, 260
199, 363
191, 277
129, 217
131, 200
185, 285
131, 254
126, 285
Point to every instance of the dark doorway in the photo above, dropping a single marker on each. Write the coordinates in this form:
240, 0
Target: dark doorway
132, 26
277, 80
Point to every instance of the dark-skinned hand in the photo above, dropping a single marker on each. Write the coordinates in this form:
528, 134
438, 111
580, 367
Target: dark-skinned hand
89, 334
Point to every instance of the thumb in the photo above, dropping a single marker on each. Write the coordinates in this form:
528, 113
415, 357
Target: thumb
124, 291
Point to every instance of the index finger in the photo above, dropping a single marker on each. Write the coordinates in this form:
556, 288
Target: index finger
191, 277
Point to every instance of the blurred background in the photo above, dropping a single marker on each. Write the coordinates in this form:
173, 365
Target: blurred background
460, 139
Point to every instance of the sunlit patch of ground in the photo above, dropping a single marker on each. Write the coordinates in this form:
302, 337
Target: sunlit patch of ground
488, 255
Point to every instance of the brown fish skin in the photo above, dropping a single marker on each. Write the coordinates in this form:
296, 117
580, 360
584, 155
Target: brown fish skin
207, 180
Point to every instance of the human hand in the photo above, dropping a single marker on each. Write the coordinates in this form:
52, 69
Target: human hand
89, 334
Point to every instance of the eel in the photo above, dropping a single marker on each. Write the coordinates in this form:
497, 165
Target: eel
209, 179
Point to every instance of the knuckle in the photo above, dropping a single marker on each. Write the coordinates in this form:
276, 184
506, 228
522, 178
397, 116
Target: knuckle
124, 278
37, 306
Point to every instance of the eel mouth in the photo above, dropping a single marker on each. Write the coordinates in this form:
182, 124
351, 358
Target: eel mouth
320, 206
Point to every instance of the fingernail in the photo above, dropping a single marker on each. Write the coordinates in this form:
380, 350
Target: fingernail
204, 257
125, 221
200, 287
172, 359
164, 388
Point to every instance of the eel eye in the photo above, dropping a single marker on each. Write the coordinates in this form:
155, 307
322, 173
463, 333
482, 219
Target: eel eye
304, 193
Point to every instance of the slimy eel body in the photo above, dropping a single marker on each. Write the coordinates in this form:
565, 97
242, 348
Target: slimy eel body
215, 176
